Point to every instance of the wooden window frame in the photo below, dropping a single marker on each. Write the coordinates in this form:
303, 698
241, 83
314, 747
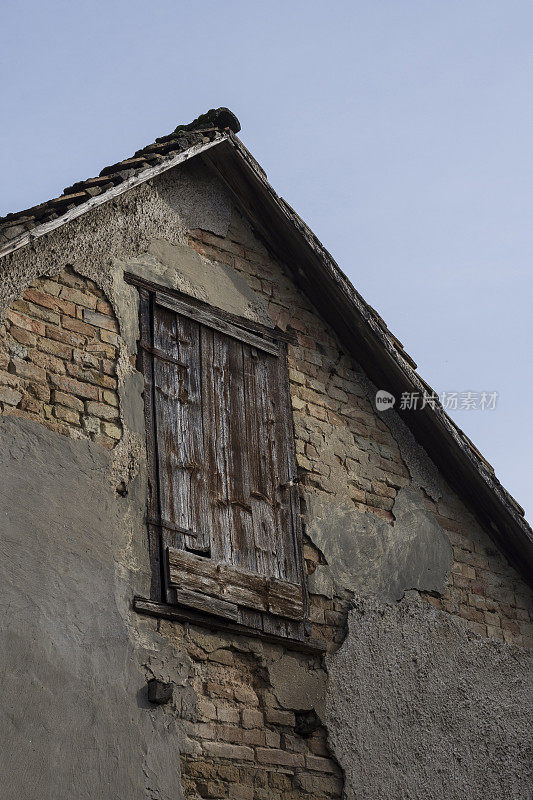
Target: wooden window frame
261, 337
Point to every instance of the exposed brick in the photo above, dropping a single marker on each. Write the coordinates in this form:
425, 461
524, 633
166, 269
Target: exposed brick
23, 336
251, 718
10, 396
102, 410
272, 715
24, 369
226, 750
111, 430
78, 326
100, 320
47, 362
26, 323
321, 764
77, 297
267, 755
69, 385
67, 415
227, 714
65, 399
49, 301
40, 391
9, 379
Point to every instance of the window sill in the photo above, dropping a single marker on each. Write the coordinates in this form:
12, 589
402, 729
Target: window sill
188, 615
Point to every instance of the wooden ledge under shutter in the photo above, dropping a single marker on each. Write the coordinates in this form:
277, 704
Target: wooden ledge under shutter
221, 589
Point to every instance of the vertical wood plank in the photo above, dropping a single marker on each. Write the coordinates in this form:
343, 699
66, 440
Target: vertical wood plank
191, 447
216, 414
262, 494
153, 509
288, 440
172, 434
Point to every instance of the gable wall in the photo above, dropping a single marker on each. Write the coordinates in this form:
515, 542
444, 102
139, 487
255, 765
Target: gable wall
380, 523
347, 451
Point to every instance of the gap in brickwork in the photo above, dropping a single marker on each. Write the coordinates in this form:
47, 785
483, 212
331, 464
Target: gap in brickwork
58, 356
245, 746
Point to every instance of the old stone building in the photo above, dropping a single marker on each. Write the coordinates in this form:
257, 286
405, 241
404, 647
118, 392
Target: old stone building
225, 572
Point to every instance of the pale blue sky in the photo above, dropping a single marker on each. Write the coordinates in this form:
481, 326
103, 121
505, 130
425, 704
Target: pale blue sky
400, 131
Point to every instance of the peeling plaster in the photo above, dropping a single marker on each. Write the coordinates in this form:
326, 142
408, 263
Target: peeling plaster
298, 683
419, 707
367, 555
178, 266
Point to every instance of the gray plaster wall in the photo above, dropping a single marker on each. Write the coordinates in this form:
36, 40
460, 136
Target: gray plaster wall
366, 555
418, 708
74, 719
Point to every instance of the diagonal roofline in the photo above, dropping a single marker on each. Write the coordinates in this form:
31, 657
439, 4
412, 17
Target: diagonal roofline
377, 350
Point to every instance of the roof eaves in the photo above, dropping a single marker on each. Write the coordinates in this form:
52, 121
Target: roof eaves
78, 202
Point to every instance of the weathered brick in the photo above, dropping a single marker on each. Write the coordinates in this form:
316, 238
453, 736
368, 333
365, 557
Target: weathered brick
245, 694
239, 792
69, 385
23, 336
91, 376
102, 410
275, 717
105, 441
49, 301
25, 369
104, 307
55, 348
267, 755
226, 713
320, 764
26, 323
109, 336
226, 750
251, 718
46, 361
67, 415
80, 298
10, 397
78, 326
40, 391
9, 379
65, 399
100, 320
110, 398
85, 359
111, 430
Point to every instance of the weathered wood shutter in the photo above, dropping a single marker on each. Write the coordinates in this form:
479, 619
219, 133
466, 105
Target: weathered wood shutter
223, 456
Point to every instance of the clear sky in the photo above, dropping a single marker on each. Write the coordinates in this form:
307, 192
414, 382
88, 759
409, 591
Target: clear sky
400, 130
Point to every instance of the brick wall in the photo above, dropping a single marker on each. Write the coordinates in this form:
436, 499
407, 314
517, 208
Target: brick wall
58, 354
484, 590
242, 743
339, 437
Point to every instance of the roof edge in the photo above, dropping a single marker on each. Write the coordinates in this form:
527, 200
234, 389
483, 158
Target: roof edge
93, 202
434, 419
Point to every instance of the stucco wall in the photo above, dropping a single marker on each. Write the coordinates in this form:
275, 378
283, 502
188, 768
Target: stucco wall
380, 522
420, 707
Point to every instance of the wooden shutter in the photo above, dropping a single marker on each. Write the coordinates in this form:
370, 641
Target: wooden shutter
223, 443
